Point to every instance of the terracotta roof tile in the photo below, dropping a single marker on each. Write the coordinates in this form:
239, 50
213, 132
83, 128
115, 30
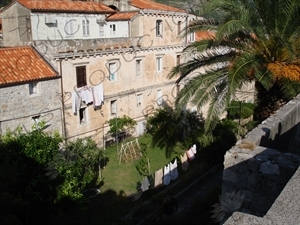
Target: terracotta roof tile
122, 16
65, 6
22, 64
147, 4
204, 35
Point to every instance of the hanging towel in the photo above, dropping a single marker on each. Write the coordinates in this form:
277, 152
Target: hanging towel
158, 177
145, 184
194, 149
190, 154
173, 170
75, 102
184, 162
98, 94
167, 175
89, 96
86, 95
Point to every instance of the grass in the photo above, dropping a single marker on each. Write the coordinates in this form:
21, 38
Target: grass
123, 178
119, 183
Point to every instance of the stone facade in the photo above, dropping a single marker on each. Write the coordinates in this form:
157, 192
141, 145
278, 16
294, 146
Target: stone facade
20, 108
260, 166
144, 55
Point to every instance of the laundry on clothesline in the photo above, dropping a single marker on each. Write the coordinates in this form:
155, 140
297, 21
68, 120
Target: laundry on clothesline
145, 184
158, 177
88, 95
167, 178
173, 170
190, 154
184, 162
194, 149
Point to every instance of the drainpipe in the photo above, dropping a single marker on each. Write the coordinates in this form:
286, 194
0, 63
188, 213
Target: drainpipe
64, 131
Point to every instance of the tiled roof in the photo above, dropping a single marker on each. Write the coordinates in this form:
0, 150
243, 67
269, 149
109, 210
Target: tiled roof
65, 6
148, 4
122, 16
23, 64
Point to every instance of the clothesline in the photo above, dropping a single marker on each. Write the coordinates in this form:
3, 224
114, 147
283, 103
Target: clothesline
88, 95
169, 172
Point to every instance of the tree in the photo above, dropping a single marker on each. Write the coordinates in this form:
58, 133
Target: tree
246, 41
170, 128
121, 124
4, 3
36, 171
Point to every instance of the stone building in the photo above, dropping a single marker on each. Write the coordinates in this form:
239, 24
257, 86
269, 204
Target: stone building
29, 90
121, 51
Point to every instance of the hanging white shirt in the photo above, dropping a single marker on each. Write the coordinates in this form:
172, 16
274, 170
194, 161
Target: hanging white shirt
167, 175
173, 170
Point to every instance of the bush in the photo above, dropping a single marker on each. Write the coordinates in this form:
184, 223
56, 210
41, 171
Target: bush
240, 110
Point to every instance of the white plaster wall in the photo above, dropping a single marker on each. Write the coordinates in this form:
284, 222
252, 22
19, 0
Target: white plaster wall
59, 31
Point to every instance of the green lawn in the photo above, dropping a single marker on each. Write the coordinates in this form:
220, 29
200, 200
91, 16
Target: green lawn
123, 178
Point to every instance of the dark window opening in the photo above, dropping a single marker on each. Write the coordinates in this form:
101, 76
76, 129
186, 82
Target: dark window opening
81, 76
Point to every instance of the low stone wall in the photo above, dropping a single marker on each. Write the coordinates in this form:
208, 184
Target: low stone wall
258, 167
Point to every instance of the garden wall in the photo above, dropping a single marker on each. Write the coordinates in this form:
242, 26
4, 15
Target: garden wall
257, 168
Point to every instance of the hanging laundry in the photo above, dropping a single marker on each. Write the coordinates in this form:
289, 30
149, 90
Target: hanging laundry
86, 95
158, 177
76, 102
184, 162
145, 184
194, 149
167, 175
190, 154
98, 95
173, 170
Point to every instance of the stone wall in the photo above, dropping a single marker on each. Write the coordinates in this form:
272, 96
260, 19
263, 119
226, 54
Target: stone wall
259, 166
18, 106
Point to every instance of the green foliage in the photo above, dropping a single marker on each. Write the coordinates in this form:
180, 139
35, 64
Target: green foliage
170, 128
222, 138
240, 110
76, 167
24, 182
4, 2
121, 124
248, 40
143, 165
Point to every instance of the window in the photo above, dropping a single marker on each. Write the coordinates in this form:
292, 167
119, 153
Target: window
178, 27
69, 24
159, 65
81, 76
33, 88
140, 128
101, 30
159, 99
192, 37
82, 115
139, 99
86, 27
159, 28
113, 107
112, 71
138, 67
177, 60
112, 29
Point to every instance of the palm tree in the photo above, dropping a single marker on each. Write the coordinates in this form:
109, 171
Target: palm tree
250, 40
